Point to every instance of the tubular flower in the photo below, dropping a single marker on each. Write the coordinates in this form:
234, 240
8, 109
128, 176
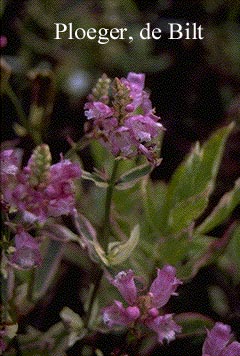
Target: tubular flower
217, 342
39, 190
143, 309
27, 254
125, 123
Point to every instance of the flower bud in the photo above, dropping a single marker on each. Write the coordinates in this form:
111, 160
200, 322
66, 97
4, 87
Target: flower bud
121, 94
100, 91
39, 165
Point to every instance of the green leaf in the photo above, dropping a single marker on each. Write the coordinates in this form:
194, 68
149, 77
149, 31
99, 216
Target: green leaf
193, 323
233, 253
35, 341
89, 238
185, 253
219, 300
58, 232
153, 194
130, 178
11, 330
199, 169
94, 177
186, 211
222, 211
99, 153
173, 250
71, 319
197, 173
45, 274
119, 252
203, 250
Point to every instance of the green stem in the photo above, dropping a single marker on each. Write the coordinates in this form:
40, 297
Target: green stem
105, 236
30, 285
93, 296
106, 224
17, 105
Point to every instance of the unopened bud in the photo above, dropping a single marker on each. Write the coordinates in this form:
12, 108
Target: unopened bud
122, 99
39, 165
101, 91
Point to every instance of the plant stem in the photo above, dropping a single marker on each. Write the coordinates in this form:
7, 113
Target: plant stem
105, 236
106, 222
94, 294
17, 105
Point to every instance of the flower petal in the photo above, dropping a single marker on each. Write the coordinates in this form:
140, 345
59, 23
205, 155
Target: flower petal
97, 110
232, 350
27, 254
164, 286
124, 282
164, 326
116, 314
217, 339
136, 80
24, 239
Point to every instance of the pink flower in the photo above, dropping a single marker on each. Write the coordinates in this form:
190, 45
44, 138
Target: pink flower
97, 110
27, 254
127, 126
38, 192
10, 162
164, 326
217, 342
124, 282
164, 286
143, 309
116, 314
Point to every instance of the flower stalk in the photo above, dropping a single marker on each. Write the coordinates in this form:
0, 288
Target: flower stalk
107, 214
105, 237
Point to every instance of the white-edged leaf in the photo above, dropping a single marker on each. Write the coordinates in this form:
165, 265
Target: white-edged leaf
221, 212
188, 210
58, 232
45, 274
71, 319
198, 171
118, 252
193, 323
130, 178
94, 177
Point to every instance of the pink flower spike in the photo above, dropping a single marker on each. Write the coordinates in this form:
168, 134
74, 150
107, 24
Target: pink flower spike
126, 126
116, 314
124, 282
27, 254
164, 326
164, 286
217, 340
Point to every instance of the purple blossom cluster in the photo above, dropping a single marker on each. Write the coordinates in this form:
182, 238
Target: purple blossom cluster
144, 309
126, 125
217, 342
38, 197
